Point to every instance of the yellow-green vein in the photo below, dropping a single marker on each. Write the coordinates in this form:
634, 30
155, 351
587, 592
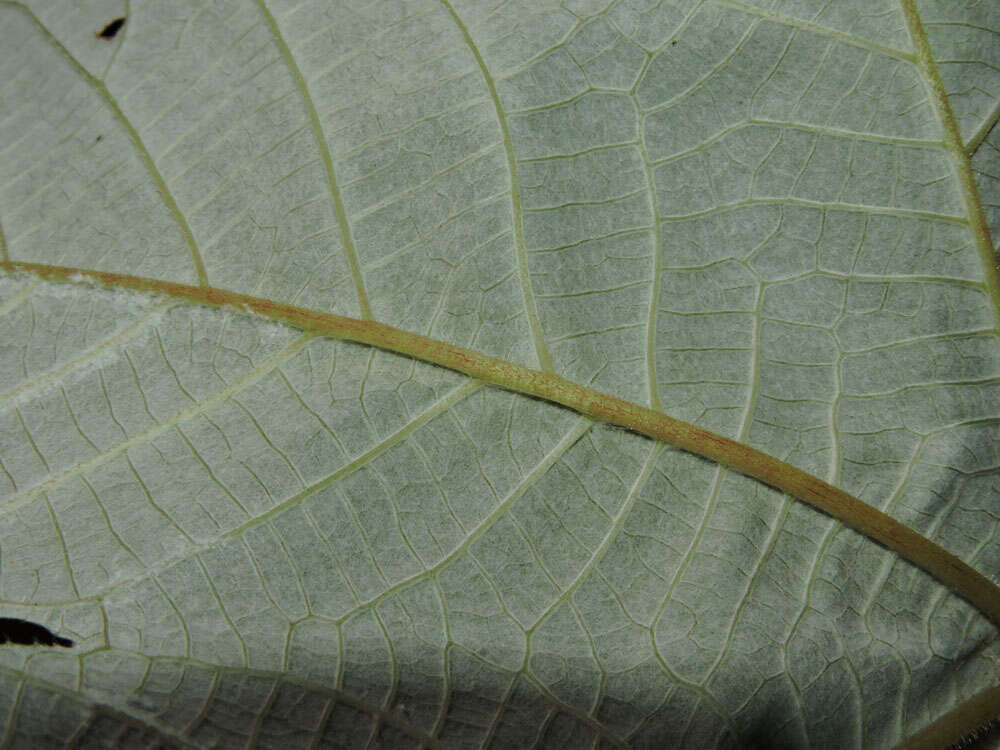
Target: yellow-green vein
959, 156
327, 159
137, 142
541, 350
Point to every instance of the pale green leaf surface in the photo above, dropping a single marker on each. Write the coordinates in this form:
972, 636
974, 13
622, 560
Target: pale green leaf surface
744, 214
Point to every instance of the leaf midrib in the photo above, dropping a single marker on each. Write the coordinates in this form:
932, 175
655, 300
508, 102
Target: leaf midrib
950, 570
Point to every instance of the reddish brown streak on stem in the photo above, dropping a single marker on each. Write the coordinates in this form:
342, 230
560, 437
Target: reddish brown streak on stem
917, 549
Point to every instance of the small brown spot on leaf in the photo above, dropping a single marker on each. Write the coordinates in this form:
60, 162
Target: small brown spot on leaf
15, 630
109, 31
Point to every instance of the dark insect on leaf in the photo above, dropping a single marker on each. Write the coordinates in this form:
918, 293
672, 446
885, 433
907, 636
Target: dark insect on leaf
109, 31
14, 630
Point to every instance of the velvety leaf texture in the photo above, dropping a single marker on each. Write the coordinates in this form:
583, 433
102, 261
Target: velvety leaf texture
744, 214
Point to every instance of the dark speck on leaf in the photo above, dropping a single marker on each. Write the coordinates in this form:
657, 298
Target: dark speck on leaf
109, 31
14, 630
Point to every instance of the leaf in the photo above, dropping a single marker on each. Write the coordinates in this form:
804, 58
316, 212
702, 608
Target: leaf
772, 221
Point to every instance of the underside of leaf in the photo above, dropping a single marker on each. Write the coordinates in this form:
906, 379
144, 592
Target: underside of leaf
449, 373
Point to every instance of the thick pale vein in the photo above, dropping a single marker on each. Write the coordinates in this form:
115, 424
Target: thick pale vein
199, 407
983, 707
140, 147
815, 28
613, 531
541, 350
441, 406
324, 150
822, 205
222, 610
652, 378
946, 567
959, 156
527, 482
118, 339
984, 130
752, 122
